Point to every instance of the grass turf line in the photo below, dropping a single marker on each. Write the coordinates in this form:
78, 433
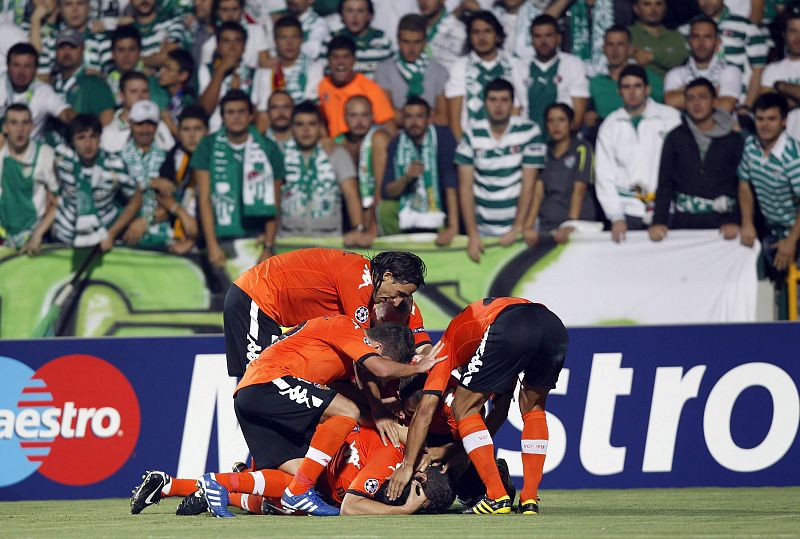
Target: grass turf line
706, 512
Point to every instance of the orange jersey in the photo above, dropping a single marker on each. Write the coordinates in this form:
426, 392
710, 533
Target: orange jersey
444, 421
462, 337
333, 99
304, 284
417, 326
361, 466
320, 351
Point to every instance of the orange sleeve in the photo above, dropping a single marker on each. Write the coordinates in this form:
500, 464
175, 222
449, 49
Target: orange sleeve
439, 375
354, 286
417, 327
382, 109
348, 337
382, 462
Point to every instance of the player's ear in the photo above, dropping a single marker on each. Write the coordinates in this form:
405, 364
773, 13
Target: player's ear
387, 277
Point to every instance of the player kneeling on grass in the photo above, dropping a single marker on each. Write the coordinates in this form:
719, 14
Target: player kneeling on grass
491, 342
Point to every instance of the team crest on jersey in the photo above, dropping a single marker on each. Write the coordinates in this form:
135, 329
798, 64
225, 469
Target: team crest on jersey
362, 314
371, 486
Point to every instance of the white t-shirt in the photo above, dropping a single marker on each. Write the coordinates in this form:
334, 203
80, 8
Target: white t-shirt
117, 133
786, 70
44, 174
257, 94
571, 80
448, 43
727, 78
739, 7
40, 97
318, 34
257, 40
793, 124
388, 15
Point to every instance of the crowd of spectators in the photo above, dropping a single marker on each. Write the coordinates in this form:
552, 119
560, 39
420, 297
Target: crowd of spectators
183, 125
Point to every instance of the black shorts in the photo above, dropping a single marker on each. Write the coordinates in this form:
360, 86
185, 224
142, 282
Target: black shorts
248, 330
524, 338
279, 418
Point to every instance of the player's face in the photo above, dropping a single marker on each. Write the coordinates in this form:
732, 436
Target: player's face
135, 90
22, 69
699, 103
229, 11
769, 124
650, 11
703, 42
633, 91
793, 37
546, 41
279, 110
393, 292
236, 116
288, 42
430, 7
190, 132
231, 43
169, 73
356, 16
306, 130
144, 133
202, 9
341, 63
69, 57
75, 13
482, 37
125, 54
388, 312
143, 8
87, 145
411, 44
498, 106
711, 8
415, 120
17, 129
557, 125
617, 48
358, 116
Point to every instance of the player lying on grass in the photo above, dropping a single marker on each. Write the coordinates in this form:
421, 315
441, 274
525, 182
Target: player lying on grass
491, 342
354, 479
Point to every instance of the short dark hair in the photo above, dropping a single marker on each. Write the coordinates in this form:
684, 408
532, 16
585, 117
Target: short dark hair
215, 7
184, 59
22, 49
544, 19
418, 101
405, 267
412, 387
193, 112
235, 95
704, 82
412, 22
307, 107
279, 92
19, 107
489, 18
563, 107
438, 488
129, 76
704, 19
370, 7
126, 31
772, 100
230, 26
633, 70
85, 122
341, 42
287, 21
792, 14
619, 29
498, 85
397, 341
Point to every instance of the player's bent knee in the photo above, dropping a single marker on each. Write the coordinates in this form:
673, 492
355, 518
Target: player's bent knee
342, 406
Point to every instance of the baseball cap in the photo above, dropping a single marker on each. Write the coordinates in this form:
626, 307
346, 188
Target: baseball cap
144, 111
69, 36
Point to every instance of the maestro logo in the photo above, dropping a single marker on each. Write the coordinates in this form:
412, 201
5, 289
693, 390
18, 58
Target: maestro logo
75, 420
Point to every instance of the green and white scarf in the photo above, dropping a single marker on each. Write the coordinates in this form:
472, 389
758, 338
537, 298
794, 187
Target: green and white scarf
366, 179
143, 167
245, 73
588, 31
420, 208
477, 77
310, 197
295, 79
89, 229
413, 72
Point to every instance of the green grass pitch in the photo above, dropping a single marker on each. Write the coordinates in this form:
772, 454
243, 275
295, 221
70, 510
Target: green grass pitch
705, 512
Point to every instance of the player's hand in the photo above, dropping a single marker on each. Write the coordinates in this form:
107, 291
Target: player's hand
416, 498
618, 230
786, 251
747, 235
531, 236
216, 255
415, 169
425, 362
133, 235
657, 232
510, 237
729, 231
445, 236
163, 186
107, 244
561, 235
387, 427
33, 246
398, 481
474, 248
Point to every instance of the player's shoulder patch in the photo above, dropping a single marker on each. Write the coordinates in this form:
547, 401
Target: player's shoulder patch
371, 486
362, 314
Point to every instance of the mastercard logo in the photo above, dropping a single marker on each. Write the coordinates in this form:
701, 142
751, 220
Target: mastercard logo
75, 420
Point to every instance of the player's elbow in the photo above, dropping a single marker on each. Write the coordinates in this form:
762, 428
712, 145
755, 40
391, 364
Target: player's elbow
380, 367
351, 505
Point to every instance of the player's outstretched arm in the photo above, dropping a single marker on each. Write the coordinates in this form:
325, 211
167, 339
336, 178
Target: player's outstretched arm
353, 504
384, 367
417, 432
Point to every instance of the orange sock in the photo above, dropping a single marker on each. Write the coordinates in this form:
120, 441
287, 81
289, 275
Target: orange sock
327, 440
534, 451
480, 449
270, 483
179, 487
248, 502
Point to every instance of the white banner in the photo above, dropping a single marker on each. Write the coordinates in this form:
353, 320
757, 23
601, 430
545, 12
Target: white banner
693, 276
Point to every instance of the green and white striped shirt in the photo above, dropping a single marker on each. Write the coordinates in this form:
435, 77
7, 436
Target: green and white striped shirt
96, 49
109, 177
498, 169
164, 27
775, 178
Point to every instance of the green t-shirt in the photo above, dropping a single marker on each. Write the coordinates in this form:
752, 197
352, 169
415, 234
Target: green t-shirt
90, 95
605, 92
668, 48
